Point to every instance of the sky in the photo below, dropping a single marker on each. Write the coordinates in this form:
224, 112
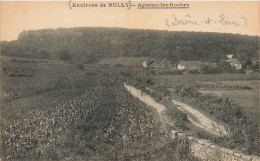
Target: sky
236, 17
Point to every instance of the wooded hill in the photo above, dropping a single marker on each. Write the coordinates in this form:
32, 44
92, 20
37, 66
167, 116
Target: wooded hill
88, 45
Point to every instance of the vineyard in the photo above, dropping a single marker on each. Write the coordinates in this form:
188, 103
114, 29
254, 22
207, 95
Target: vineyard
67, 112
40, 134
118, 125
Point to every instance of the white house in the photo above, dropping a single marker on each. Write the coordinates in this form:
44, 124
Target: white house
189, 65
234, 63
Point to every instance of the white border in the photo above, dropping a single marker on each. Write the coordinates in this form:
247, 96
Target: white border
131, 0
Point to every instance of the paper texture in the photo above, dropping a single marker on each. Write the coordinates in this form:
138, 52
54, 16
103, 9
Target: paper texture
129, 80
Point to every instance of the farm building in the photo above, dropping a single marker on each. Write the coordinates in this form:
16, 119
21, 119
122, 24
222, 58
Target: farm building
195, 65
234, 63
255, 61
189, 65
158, 64
208, 64
124, 61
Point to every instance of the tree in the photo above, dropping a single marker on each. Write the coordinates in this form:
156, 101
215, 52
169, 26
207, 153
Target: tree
225, 67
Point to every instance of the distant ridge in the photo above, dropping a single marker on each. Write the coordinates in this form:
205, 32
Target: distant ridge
90, 44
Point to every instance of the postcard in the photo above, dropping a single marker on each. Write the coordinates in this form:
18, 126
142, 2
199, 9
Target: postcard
129, 80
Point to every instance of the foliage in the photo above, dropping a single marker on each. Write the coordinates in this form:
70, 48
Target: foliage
243, 131
101, 122
90, 44
208, 70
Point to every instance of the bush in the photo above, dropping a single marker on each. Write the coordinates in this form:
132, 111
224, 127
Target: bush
243, 132
208, 70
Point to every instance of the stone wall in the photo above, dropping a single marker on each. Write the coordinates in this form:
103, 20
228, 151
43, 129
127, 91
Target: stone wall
205, 150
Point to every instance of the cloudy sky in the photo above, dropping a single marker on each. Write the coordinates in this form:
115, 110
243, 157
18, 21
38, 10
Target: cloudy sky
228, 17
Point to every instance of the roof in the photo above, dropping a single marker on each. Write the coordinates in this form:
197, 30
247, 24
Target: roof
160, 64
190, 63
126, 61
232, 61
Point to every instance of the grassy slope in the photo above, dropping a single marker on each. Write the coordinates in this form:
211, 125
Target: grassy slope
245, 98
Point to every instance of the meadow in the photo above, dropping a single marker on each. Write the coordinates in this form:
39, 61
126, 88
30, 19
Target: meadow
249, 99
192, 78
237, 109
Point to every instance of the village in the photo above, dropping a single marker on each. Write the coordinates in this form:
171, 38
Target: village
162, 66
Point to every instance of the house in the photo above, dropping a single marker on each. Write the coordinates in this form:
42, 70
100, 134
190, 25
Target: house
158, 64
145, 64
230, 56
255, 61
189, 65
209, 65
123, 61
234, 63
195, 65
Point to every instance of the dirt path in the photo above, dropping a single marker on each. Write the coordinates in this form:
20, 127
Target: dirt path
194, 116
200, 120
201, 148
145, 98
148, 101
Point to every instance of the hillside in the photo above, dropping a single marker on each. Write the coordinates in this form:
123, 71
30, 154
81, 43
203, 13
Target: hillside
88, 45
55, 110
62, 112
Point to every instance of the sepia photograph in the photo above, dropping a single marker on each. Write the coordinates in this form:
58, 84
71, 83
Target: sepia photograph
129, 80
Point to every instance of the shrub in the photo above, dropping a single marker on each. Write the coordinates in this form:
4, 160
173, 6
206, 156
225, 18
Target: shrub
243, 132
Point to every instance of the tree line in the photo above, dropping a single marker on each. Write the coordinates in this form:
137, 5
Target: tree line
88, 45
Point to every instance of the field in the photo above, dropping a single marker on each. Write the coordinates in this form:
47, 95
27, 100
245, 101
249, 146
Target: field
82, 94
191, 78
238, 110
55, 112
246, 98
249, 99
51, 109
